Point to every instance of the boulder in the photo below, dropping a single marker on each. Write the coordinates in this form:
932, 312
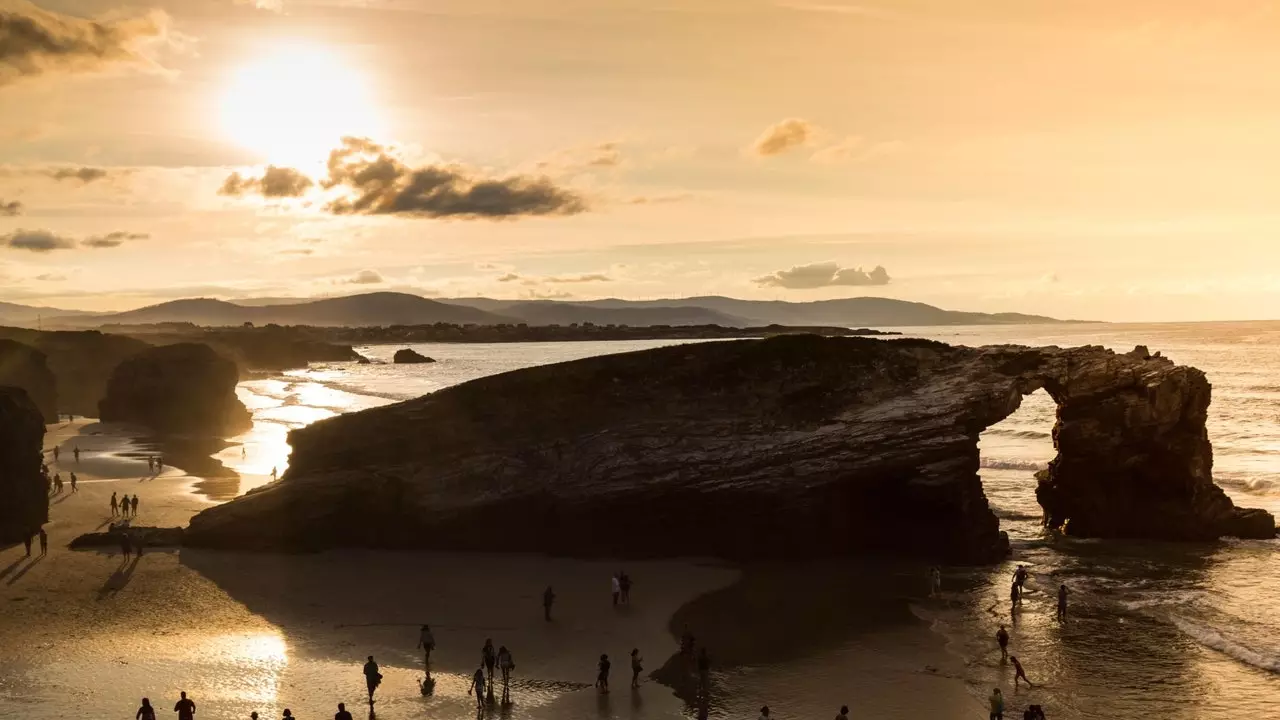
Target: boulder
26, 367
182, 389
25, 505
408, 356
150, 537
794, 446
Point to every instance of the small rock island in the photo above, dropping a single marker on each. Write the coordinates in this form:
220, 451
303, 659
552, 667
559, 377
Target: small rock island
409, 356
793, 446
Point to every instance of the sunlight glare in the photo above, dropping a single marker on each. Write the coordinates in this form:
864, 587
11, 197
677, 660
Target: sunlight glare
294, 103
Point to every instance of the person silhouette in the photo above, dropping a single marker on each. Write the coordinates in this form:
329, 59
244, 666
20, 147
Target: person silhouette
134, 506
76, 451
548, 597
185, 708
372, 678
44, 542
427, 642
636, 667
342, 713
506, 664
73, 483
489, 657
114, 504
602, 674
146, 712
477, 686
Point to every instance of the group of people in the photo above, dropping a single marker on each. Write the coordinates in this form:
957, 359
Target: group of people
54, 485
30, 539
185, 707
155, 464
1020, 575
482, 678
57, 452
125, 506
621, 587
996, 701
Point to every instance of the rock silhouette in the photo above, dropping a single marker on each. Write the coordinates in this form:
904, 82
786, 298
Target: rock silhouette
794, 446
26, 503
182, 389
26, 367
408, 355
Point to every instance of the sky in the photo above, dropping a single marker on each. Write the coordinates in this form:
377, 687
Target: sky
1091, 159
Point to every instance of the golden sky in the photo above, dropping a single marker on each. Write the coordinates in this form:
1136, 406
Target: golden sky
1087, 159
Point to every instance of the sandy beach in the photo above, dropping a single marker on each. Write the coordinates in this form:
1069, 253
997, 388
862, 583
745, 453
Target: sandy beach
87, 635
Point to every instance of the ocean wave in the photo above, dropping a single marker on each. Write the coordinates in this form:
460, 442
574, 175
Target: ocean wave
1015, 515
999, 464
1211, 638
1025, 434
1247, 483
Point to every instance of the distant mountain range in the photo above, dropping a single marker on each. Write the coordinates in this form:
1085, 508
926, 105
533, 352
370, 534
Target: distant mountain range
386, 308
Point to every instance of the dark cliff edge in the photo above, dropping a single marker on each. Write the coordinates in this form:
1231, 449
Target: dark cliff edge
81, 362
25, 367
26, 503
794, 446
183, 389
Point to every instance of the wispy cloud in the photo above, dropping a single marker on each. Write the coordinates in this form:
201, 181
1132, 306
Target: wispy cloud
825, 274
43, 241
783, 137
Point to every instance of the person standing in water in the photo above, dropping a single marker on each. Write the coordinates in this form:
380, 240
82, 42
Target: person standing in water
1062, 602
935, 581
1002, 638
185, 707
488, 657
548, 597
427, 642
506, 664
477, 686
1018, 672
997, 704
146, 712
602, 673
636, 667
151, 463
1015, 596
372, 678
1020, 576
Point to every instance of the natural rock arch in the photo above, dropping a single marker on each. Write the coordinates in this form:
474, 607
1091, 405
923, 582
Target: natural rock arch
794, 446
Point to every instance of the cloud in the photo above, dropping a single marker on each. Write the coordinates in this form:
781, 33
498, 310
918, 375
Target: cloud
554, 279
40, 241
841, 152
85, 175
112, 239
784, 137
365, 277
51, 277
34, 41
381, 184
10, 209
826, 274
276, 182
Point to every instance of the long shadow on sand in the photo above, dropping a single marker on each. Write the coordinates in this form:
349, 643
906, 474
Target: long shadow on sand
35, 560
119, 579
12, 566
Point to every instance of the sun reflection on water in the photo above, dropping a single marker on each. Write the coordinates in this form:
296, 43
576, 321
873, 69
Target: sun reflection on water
256, 661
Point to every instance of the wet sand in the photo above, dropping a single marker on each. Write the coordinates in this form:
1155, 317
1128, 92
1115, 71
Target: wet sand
86, 635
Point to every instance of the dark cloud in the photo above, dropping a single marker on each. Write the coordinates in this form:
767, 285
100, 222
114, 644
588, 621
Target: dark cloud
365, 277
83, 174
112, 239
381, 184
34, 41
10, 209
41, 241
826, 274
783, 137
276, 182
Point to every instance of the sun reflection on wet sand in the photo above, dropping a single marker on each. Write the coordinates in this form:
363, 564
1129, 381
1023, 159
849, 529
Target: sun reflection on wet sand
255, 662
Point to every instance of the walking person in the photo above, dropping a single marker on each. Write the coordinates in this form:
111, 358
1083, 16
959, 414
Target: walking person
1019, 673
114, 504
506, 664
56, 453
134, 505
1062, 602
427, 642
372, 678
44, 542
997, 704
616, 586
124, 506
1002, 639
76, 451
477, 686
489, 657
935, 581
602, 674
73, 483
548, 598
185, 708
1015, 596
636, 667
151, 464
146, 712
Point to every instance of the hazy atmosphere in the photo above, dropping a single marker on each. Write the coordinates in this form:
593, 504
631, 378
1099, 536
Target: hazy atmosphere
1099, 160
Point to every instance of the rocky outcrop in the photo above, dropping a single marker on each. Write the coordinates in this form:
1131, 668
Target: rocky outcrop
25, 505
81, 362
794, 446
410, 356
146, 536
25, 367
183, 389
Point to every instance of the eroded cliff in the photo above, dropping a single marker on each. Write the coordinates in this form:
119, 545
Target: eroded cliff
794, 446
182, 389
26, 367
25, 505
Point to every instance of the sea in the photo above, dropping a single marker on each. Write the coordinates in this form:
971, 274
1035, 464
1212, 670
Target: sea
1155, 630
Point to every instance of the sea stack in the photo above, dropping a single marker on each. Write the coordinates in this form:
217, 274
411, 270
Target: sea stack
790, 447
410, 356
183, 389
26, 503
26, 367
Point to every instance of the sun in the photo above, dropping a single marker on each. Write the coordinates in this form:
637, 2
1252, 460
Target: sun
293, 104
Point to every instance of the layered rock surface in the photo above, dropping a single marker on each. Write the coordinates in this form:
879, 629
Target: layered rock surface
26, 367
182, 389
25, 505
794, 446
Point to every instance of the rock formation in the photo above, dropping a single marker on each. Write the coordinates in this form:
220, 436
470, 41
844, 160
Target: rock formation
183, 389
25, 367
147, 536
408, 355
26, 502
795, 446
81, 362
